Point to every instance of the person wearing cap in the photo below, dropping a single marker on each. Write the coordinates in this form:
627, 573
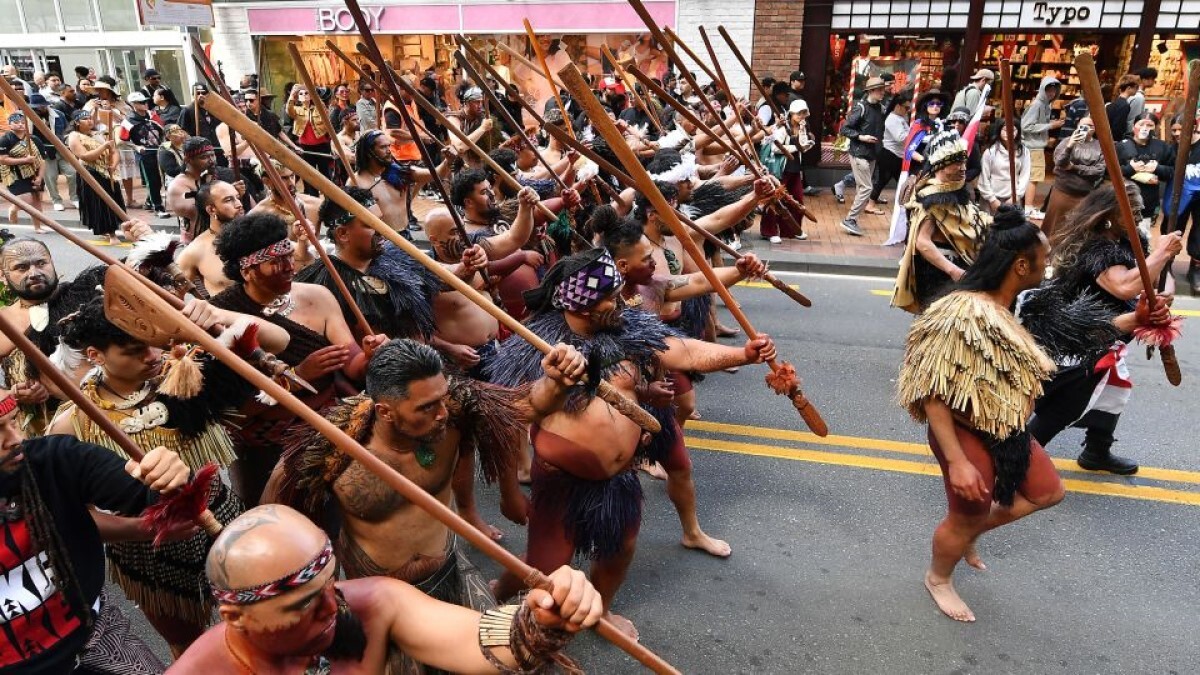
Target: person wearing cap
864, 128
153, 81
929, 122
796, 86
109, 113
170, 152
145, 134
971, 96
1036, 125
790, 138
22, 166
197, 121
958, 120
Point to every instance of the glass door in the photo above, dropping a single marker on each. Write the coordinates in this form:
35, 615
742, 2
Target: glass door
169, 64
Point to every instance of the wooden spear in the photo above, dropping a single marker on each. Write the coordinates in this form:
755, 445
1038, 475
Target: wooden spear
783, 378
394, 479
629, 84
749, 71
1090, 83
176, 507
284, 194
674, 40
62, 149
1006, 102
231, 116
533, 67
322, 110
565, 138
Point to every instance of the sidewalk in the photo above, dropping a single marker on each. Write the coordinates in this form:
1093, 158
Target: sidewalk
829, 249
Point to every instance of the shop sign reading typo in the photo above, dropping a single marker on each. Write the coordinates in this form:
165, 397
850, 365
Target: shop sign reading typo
335, 20
1051, 14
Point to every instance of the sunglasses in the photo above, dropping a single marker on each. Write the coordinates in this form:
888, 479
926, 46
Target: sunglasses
934, 104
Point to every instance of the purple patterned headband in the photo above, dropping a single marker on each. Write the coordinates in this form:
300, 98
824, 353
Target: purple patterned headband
271, 589
281, 248
591, 284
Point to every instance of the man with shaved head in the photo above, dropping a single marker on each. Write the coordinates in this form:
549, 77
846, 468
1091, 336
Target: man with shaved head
274, 575
217, 203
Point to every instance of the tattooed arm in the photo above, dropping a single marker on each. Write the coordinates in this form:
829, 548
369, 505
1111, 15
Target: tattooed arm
708, 357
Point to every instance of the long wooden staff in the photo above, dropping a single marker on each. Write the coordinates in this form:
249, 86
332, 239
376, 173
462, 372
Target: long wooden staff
414, 494
364, 76
284, 194
1187, 125
63, 150
1090, 83
1006, 102
231, 116
212, 76
674, 38
500, 172
388, 77
1182, 152
175, 505
322, 110
724, 85
749, 71
566, 139
629, 84
788, 204
266, 362
517, 56
783, 378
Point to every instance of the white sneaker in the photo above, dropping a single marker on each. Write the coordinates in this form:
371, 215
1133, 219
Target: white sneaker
1035, 214
776, 240
59, 207
75, 204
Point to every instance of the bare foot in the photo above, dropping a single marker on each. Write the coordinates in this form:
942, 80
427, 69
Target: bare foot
622, 624
482, 525
654, 470
523, 477
705, 543
971, 557
947, 599
726, 331
695, 415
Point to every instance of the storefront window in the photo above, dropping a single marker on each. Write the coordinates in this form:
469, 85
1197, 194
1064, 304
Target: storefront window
40, 17
118, 15
77, 15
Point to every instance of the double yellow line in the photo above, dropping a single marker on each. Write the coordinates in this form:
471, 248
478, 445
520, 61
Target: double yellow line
713, 436
1180, 312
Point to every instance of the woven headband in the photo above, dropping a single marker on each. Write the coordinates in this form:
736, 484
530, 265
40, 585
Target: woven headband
16, 117
7, 405
584, 289
348, 216
281, 248
271, 589
198, 150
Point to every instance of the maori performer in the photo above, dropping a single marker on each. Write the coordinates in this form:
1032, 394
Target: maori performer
176, 404
973, 373
586, 497
395, 293
46, 487
389, 180
274, 203
948, 227
258, 257
469, 333
42, 302
199, 261
283, 609
649, 291
200, 167
1093, 259
420, 422
479, 126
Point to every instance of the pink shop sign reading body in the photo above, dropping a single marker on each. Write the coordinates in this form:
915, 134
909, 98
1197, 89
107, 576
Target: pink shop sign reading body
558, 17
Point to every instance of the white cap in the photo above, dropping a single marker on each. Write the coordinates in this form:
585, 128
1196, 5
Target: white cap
797, 106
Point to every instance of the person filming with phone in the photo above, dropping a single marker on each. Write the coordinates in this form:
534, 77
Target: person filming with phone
1078, 169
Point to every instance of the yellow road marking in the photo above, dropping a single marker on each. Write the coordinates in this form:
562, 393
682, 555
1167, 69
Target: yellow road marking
1180, 312
881, 292
1146, 493
883, 445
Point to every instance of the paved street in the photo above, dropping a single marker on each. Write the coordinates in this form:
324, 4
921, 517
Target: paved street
831, 536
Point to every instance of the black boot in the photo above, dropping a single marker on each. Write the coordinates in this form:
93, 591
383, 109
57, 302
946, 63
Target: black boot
1097, 456
1193, 277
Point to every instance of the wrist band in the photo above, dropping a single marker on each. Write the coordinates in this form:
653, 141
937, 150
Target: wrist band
534, 647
